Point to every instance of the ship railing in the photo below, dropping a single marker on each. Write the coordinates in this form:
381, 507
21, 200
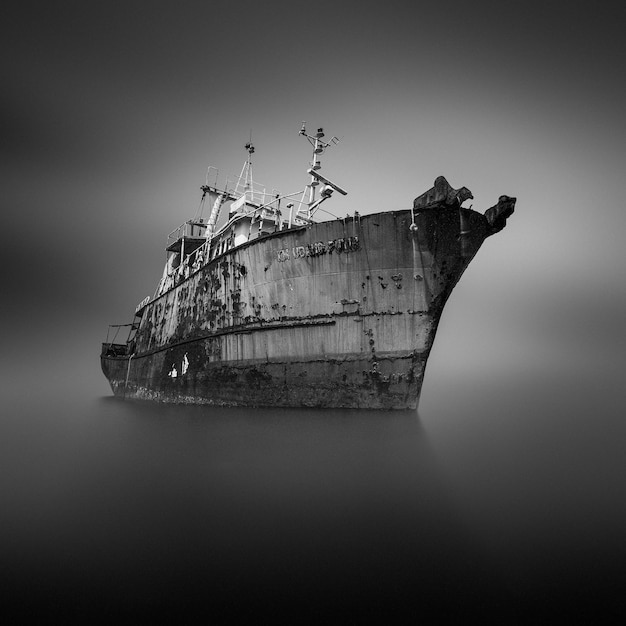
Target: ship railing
237, 186
256, 192
189, 264
118, 345
268, 210
191, 228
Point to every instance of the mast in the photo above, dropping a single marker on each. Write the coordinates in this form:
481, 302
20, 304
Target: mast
245, 181
245, 178
247, 168
319, 145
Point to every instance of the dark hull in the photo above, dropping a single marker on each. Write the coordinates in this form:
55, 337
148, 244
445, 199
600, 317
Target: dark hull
336, 314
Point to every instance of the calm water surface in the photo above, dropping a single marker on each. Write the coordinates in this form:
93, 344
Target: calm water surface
508, 505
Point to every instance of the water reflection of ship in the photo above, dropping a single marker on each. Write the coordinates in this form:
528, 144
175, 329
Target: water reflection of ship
275, 308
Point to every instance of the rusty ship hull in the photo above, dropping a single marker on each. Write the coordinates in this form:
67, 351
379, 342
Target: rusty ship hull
333, 314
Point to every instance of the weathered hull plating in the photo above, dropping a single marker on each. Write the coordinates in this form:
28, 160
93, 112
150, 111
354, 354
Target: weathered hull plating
335, 314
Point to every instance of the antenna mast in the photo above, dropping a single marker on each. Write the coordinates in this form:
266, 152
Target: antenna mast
319, 145
246, 172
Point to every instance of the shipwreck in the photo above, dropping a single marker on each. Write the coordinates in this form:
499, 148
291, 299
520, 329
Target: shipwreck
262, 304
